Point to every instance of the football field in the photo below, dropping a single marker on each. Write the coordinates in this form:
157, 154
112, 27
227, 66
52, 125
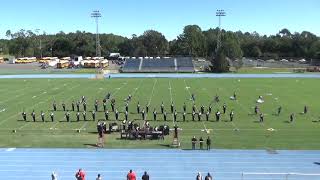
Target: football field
245, 132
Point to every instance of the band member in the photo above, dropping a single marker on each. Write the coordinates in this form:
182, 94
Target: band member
96, 105
184, 116
216, 98
84, 114
83, 99
33, 114
193, 98
218, 114
193, 114
138, 107
52, 116
175, 115
127, 107
78, 106
199, 116
231, 116
224, 107
162, 107
207, 115
202, 109
106, 115
64, 106
72, 105
78, 116
172, 107
42, 116
184, 107
147, 108
165, 116
104, 106
24, 116
84, 106
126, 115
210, 109
112, 106
93, 115
54, 106
291, 117
261, 117
279, 110
117, 114
305, 109
67, 116
143, 114
194, 107
154, 114
256, 109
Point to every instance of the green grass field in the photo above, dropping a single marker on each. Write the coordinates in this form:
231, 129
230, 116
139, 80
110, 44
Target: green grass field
38, 94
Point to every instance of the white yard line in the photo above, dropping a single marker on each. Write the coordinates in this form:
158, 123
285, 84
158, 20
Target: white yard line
170, 88
154, 84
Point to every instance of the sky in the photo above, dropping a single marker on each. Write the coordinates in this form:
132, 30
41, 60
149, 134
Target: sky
127, 17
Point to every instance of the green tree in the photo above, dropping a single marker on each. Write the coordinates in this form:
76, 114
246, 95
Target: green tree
220, 63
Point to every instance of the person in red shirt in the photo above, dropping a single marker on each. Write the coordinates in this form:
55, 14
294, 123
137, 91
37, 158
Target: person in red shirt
131, 175
80, 175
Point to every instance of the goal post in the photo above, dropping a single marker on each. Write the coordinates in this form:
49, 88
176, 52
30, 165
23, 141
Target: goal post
279, 176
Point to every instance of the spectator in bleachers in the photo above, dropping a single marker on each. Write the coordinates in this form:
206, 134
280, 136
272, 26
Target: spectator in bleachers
145, 176
131, 175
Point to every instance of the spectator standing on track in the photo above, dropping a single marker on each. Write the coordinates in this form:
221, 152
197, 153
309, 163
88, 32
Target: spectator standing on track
54, 176
208, 143
194, 141
208, 177
199, 177
80, 175
131, 175
145, 176
201, 143
99, 177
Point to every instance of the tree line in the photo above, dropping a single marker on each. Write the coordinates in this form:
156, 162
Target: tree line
193, 41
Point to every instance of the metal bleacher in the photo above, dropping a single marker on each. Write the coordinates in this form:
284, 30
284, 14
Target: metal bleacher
181, 64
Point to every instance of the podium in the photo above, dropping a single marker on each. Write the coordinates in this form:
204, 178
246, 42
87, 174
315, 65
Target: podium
175, 142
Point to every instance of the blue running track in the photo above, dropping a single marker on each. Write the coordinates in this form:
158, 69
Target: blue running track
113, 164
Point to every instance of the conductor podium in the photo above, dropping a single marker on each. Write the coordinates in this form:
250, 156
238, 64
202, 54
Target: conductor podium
175, 142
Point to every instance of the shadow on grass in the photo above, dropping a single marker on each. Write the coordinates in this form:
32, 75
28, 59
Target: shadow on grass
91, 145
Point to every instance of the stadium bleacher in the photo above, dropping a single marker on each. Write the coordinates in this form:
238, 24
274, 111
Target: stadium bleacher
181, 64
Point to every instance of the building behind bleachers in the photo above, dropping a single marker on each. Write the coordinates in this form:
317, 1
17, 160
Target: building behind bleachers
180, 64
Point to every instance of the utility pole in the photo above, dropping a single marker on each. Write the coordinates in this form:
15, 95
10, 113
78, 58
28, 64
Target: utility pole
40, 45
220, 13
96, 14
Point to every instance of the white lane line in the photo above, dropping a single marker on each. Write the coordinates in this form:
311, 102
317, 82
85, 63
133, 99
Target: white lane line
154, 84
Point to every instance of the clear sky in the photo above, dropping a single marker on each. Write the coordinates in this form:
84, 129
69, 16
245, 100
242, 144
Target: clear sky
127, 17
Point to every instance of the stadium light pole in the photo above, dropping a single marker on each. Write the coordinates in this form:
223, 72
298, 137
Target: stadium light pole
220, 13
96, 14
